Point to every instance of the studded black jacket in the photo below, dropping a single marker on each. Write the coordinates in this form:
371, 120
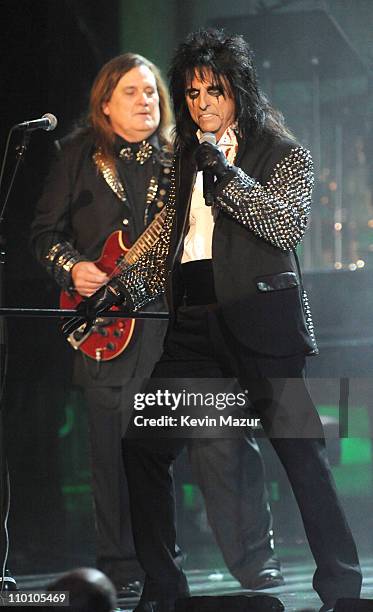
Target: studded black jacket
262, 215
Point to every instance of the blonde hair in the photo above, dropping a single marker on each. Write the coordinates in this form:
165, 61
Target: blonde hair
101, 92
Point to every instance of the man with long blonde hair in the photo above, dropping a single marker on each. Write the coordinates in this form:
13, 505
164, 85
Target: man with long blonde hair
105, 179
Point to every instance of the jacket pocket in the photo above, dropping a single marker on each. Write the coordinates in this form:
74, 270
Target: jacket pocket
277, 282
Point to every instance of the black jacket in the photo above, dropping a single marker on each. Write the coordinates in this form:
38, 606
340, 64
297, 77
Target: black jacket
78, 210
263, 213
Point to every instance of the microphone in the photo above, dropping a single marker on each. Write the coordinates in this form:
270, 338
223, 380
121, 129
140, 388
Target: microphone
208, 177
47, 122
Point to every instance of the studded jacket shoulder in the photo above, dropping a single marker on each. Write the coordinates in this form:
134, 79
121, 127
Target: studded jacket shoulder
277, 211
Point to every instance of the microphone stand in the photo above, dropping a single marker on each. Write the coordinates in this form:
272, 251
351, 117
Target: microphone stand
3, 475
7, 583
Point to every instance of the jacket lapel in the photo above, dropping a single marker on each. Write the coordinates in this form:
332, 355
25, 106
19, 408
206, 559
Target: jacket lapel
111, 177
242, 150
185, 177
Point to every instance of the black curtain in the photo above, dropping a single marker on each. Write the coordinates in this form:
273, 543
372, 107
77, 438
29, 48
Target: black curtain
51, 50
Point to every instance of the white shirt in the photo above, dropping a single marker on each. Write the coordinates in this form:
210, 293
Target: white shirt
198, 241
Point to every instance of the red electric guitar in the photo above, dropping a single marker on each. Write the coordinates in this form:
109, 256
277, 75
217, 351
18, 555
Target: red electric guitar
109, 337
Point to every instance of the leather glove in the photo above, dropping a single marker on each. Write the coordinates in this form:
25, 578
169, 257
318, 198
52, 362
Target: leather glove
90, 308
209, 157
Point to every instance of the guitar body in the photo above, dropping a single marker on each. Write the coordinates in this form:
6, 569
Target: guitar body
108, 337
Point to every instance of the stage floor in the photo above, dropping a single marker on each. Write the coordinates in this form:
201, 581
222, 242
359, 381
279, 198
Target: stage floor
296, 594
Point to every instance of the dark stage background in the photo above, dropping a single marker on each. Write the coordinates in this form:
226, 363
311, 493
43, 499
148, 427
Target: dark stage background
316, 65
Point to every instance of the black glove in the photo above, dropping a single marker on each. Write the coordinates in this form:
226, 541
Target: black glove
90, 308
209, 157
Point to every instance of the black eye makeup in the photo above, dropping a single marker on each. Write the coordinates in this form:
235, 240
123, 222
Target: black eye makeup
192, 93
215, 90
212, 90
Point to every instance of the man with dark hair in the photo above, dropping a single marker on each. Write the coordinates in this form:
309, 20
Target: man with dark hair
239, 309
105, 179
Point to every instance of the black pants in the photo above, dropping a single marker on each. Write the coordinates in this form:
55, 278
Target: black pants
116, 554
243, 530
198, 345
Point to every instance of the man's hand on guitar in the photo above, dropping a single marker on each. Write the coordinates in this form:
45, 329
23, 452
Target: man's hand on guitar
87, 278
90, 308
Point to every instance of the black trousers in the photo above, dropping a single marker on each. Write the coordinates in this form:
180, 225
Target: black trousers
116, 554
199, 345
224, 471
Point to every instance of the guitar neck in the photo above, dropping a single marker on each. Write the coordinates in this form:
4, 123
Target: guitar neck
147, 239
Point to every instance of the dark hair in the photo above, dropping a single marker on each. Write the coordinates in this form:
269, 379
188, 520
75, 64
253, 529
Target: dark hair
230, 60
101, 92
